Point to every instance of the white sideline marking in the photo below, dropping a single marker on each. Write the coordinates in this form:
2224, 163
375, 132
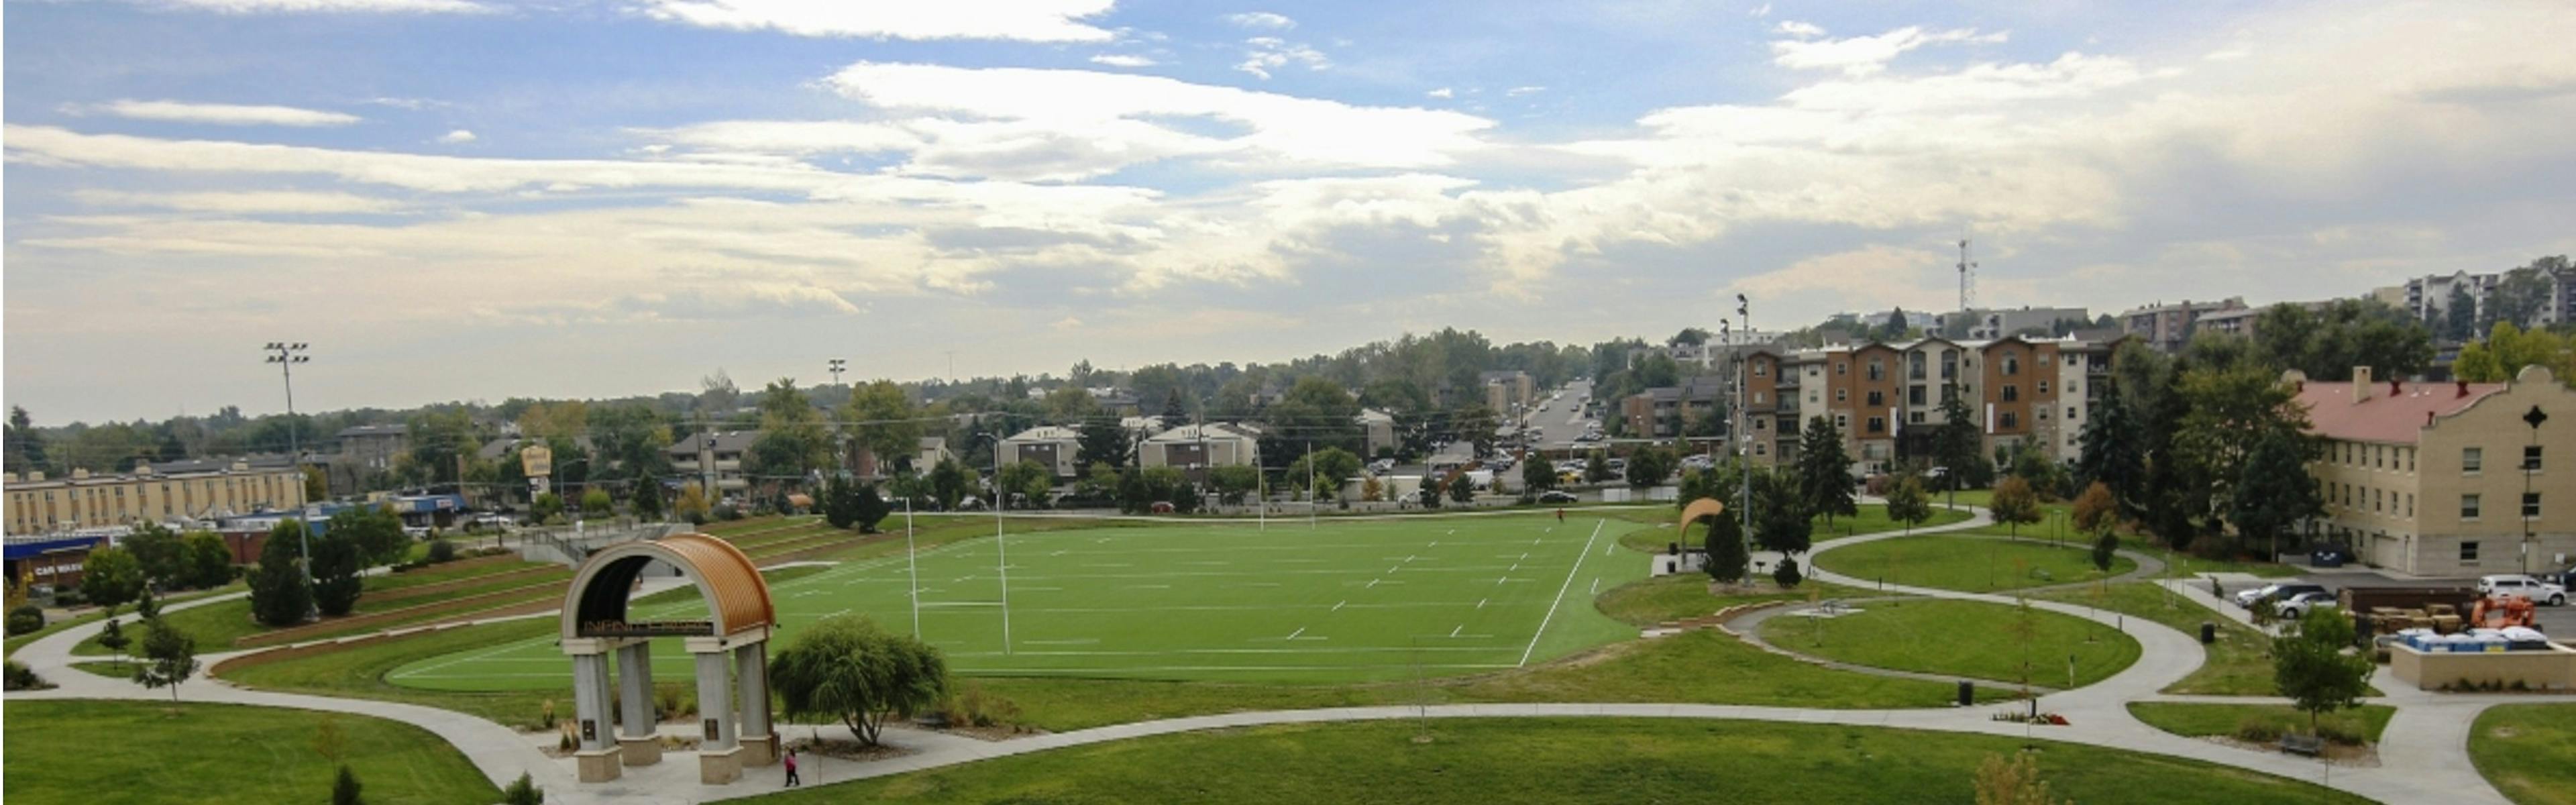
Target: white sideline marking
1293, 635
1373, 583
1391, 570
1338, 607
1461, 628
1042, 589
1480, 603
1560, 591
1083, 641
1596, 585
1149, 586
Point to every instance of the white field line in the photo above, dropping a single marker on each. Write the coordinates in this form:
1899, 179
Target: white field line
1560, 591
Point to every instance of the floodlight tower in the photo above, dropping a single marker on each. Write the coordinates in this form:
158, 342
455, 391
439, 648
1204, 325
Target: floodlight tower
286, 355
1967, 278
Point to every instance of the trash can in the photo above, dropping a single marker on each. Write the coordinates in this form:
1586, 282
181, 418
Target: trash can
2208, 633
1967, 693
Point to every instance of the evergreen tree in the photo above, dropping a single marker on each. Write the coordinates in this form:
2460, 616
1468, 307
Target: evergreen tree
1780, 520
2275, 491
1955, 444
648, 498
1824, 471
840, 505
1102, 440
279, 595
1728, 557
344, 789
336, 584
869, 507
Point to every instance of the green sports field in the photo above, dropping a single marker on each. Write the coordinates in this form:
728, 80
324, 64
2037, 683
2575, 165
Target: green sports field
1345, 600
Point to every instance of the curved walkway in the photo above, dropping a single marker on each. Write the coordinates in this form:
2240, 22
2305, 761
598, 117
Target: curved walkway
2424, 752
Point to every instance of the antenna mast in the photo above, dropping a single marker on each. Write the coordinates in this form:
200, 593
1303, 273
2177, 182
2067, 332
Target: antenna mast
1967, 278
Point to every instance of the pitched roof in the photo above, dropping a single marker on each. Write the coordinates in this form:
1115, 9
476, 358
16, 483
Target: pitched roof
2395, 413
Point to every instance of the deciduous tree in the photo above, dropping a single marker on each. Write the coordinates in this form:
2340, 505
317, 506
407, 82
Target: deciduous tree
845, 668
111, 576
170, 657
2015, 504
2310, 667
1907, 503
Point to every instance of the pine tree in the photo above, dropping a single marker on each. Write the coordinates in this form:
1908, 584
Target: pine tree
279, 593
344, 789
336, 584
1824, 471
1727, 554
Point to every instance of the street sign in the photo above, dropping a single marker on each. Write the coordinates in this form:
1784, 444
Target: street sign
536, 461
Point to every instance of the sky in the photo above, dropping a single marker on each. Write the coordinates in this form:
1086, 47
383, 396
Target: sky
481, 199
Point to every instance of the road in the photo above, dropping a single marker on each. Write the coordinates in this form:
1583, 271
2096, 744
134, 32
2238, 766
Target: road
2558, 622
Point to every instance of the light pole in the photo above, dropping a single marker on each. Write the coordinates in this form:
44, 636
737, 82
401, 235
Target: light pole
840, 438
2530, 464
1744, 454
286, 356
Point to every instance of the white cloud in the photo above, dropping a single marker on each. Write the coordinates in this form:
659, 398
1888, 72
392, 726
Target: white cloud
1443, 92
1261, 20
1516, 92
457, 136
222, 114
1763, 10
1266, 53
1864, 55
1802, 30
1021, 20
1122, 60
329, 6
258, 201
1115, 111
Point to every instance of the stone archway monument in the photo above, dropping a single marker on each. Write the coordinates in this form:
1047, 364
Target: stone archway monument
731, 648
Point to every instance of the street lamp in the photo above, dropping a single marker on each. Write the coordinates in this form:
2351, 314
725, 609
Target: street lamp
840, 437
286, 356
2530, 464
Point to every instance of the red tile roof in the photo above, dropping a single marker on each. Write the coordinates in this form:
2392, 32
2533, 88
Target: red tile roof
2388, 416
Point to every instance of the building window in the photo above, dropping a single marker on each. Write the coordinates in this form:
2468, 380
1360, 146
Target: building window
2471, 459
1915, 417
2012, 393
2531, 458
2010, 420
1878, 424
1761, 369
2468, 550
1841, 368
1842, 395
2530, 505
2012, 364
1877, 369
2043, 387
2468, 507
1877, 399
1842, 423
1914, 396
2070, 412
1761, 449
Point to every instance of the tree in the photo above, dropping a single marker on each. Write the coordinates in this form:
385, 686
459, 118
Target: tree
1071, 403
1596, 468
1537, 474
2012, 782
344, 788
336, 584
279, 594
2508, 348
648, 498
1787, 574
170, 657
209, 563
1650, 466
2523, 293
1462, 489
111, 577
1331, 467
546, 507
1232, 482
2095, 511
113, 638
1907, 503
2104, 550
2014, 504
870, 508
844, 667
1780, 521
1693, 336
949, 482
595, 503
630, 442
2328, 342
2232, 411
375, 532
2310, 667
26, 448
840, 502
1824, 471
158, 551
692, 504
2275, 491
1102, 440
523, 791
1727, 555
2460, 320
1319, 412
438, 438
884, 421
793, 441
1029, 481
1955, 444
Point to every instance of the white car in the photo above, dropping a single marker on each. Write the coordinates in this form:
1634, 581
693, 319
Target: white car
2519, 586
2299, 605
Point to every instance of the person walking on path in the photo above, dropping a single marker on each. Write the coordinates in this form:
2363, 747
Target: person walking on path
1560, 515
792, 782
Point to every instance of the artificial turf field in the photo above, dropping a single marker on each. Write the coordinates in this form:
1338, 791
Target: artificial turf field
1342, 600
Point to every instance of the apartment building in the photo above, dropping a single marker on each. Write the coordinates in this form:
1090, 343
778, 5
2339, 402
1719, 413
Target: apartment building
1887, 399
2169, 327
2445, 478
40, 505
1195, 448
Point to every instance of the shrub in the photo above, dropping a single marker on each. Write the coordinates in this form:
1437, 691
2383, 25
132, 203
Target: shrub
728, 512
441, 551
523, 791
26, 619
19, 677
974, 706
2258, 729
344, 789
1787, 575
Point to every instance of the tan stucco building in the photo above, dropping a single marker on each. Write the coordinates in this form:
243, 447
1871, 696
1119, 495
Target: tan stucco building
2444, 478
38, 504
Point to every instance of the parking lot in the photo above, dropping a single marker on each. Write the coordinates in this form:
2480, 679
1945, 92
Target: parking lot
2558, 622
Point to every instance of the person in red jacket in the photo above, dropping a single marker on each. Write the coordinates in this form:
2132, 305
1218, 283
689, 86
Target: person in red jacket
791, 769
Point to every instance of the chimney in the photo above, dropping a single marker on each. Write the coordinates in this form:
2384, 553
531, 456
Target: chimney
35, 475
2360, 384
2395, 390
80, 474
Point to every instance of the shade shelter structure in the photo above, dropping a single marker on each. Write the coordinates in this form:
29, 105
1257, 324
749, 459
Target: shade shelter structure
730, 648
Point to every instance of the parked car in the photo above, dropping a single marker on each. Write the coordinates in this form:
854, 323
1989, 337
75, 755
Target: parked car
2520, 586
1381, 466
2298, 606
2275, 592
1556, 496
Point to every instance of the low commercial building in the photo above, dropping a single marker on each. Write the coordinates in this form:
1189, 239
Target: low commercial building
1195, 448
2445, 478
711, 455
1054, 446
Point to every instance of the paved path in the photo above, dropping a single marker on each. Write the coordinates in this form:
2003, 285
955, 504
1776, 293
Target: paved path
2423, 754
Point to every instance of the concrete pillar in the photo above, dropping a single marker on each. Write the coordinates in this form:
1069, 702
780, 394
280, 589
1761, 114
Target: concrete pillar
751, 680
636, 739
719, 760
597, 758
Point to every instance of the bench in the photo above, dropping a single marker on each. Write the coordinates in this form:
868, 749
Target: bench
2308, 745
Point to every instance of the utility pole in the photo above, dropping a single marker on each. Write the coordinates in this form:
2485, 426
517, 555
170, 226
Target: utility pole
286, 356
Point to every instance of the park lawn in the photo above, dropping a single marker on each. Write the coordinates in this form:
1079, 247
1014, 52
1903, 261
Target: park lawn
2198, 720
1485, 761
2528, 751
2239, 664
113, 752
446, 572
95, 614
1871, 520
1647, 602
1971, 564
1963, 638
216, 626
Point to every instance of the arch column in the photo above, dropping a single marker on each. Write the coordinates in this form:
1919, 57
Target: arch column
637, 739
597, 758
751, 680
719, 756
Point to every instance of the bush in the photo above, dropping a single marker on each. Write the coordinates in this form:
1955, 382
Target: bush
441, 551
975, 707
523, 791
344, 789
728, 512
26, 619
1787, 575
2258, 729
19, 677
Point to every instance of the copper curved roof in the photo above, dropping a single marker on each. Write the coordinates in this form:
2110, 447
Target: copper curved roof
1703, 507
737, 596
